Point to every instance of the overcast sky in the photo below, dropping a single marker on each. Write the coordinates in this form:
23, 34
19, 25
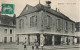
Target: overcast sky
68, 7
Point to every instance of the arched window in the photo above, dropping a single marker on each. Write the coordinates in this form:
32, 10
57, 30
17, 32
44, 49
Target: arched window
58, 25
48, 20
21, 23
33, 21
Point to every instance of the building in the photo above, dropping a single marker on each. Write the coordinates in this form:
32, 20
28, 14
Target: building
77, 25
45, 26
7, 29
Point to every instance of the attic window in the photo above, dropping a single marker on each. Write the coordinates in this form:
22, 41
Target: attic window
26, 8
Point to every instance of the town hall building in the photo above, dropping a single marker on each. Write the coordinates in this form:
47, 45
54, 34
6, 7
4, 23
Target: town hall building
45, 26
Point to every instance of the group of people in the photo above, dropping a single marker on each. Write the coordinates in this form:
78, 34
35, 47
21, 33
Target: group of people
36, 44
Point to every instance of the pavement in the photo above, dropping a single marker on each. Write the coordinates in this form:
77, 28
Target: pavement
21, 47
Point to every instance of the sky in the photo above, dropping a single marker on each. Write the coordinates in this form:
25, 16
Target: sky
70, 8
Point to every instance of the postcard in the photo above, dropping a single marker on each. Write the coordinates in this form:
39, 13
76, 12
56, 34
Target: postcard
39, 25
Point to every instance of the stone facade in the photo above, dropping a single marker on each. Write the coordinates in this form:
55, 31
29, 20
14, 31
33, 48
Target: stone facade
7, 29
56, 28
77, 25
6, 34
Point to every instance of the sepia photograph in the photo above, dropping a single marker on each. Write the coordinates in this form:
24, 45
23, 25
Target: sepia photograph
39, 24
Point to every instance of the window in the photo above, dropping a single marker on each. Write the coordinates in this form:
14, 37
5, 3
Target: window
10, 39
21, 23
5, 30
26, 8
66, 26
33, 21
47, 21
58, 25
72, 27
5, 39
10, 31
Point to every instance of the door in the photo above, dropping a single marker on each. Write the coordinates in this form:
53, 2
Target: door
10, 39
48, 40
5, 39
57, 39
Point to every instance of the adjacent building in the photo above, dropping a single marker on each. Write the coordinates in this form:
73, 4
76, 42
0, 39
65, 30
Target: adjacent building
45, 26
7, 29
77, 25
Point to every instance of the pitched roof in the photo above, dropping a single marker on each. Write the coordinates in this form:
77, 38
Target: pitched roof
6, 20
28, 9
39, 7
54, 12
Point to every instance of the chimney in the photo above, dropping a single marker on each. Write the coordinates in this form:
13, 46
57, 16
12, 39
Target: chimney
48, 4
56, 9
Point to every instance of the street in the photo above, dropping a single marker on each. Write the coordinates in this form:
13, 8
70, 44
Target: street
70, 49
21, 47
40, 49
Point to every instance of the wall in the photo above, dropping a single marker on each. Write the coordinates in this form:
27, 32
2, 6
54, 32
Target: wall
8, 35
41, 25
63, 21
40, 20
27, 29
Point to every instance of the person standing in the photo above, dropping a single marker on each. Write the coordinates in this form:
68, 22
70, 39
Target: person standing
36, 44
25, 48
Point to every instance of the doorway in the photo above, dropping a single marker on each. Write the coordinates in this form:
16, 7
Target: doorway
57, 39
10, 39
48, 39
5, 39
